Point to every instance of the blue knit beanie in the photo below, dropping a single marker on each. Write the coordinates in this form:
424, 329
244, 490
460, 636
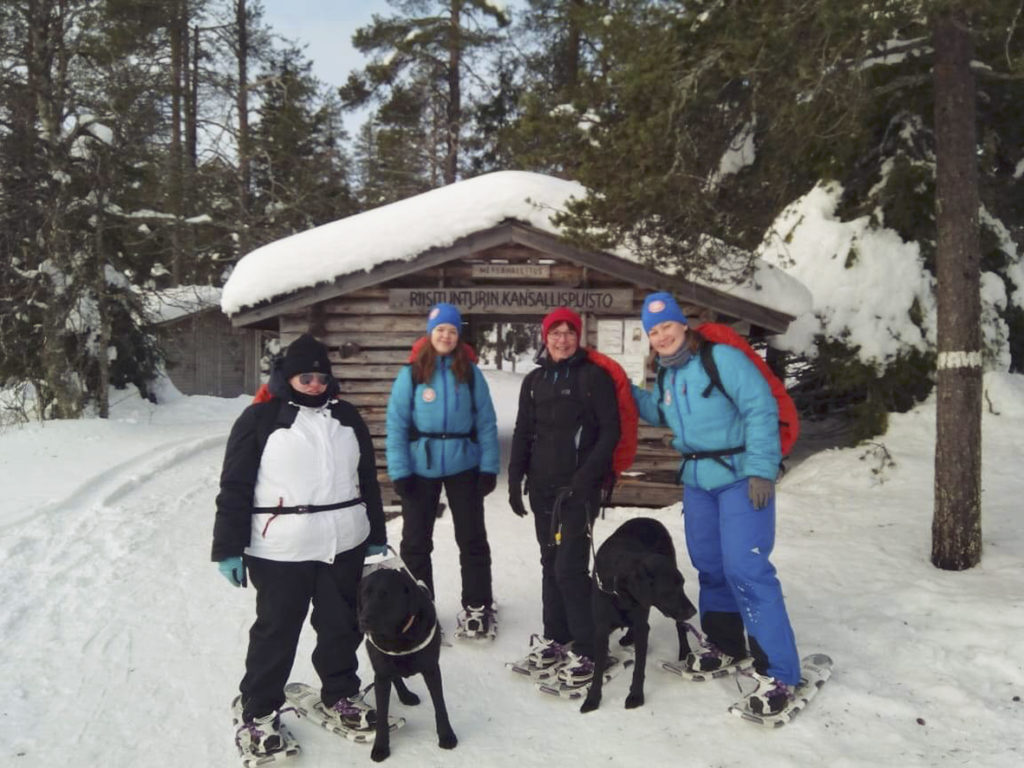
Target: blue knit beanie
444, 313
660, 308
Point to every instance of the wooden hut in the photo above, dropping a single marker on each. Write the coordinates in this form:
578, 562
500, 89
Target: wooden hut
204, 353
503, 269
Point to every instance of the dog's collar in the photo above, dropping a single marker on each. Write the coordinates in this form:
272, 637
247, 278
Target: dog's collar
420, 647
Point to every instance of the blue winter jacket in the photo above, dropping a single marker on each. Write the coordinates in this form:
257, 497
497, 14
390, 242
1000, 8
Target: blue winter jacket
713, 423
441, 405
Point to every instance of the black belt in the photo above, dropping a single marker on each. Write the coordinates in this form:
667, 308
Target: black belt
716, 455
307, 509
415, 434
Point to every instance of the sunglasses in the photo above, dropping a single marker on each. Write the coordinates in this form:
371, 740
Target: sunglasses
305, 379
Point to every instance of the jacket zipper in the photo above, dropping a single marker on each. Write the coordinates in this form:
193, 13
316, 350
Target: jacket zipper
679, 413
444, 413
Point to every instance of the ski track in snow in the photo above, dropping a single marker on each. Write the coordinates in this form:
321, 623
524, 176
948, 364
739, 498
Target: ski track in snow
109, 553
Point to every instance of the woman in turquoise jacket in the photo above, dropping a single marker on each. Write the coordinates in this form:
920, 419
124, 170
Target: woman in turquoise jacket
729, 441
442, 431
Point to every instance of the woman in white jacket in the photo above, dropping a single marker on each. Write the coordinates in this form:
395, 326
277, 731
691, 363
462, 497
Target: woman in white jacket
300, 508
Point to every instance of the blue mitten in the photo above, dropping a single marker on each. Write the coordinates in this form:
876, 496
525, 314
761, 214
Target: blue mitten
234, 570
376, 549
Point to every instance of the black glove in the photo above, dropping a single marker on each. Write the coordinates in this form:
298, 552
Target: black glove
404, 485
515, 496
760, 491
485, 483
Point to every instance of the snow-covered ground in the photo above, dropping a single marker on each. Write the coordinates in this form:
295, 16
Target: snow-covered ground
122, 645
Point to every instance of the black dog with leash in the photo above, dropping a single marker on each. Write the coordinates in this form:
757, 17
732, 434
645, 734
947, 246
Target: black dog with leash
402, 639
634, 571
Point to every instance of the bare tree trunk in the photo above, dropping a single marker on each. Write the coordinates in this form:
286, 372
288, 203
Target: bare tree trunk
192, 111
59, 392
454, 112
176, 192
102, 303
574, 36
178, 32
956, 525
242, 104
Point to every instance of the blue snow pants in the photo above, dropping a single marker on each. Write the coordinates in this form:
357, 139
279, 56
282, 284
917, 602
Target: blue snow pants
729, 543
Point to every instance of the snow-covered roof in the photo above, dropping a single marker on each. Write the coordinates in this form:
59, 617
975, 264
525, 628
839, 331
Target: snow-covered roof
438, 218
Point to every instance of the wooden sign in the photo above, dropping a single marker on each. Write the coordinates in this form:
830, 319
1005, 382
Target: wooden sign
515, 299
512, 271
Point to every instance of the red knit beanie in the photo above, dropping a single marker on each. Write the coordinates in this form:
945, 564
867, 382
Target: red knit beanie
560, 315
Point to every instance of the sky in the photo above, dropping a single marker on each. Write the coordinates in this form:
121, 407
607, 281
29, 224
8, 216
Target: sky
123, 645
326, 28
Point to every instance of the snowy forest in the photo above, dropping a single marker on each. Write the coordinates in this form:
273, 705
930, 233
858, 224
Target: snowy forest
146, 145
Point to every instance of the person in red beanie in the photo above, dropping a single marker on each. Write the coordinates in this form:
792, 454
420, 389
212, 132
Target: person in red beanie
566, 431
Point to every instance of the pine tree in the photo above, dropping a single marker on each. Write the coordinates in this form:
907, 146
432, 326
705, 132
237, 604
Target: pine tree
299, 171
427, 50
393, 155
77, 101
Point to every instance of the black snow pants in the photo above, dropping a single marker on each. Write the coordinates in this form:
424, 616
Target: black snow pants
284, 591
565, 567
419, 512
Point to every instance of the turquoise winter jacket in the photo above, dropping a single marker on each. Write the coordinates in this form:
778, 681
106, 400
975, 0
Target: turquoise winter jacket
713, 423
441, 405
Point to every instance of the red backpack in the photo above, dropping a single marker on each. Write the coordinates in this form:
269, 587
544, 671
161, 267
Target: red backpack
629, 419
719, 333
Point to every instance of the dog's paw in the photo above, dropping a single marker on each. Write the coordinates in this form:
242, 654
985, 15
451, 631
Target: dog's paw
380, 752
589, 705
447, 740
634, 700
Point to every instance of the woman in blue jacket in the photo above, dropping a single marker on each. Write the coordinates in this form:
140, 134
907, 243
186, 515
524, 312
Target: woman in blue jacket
442, 431
729, 441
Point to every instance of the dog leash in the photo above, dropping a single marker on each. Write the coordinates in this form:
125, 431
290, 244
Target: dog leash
556, 527
399, 566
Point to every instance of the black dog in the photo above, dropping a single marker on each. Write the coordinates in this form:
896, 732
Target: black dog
402, 638
635, 570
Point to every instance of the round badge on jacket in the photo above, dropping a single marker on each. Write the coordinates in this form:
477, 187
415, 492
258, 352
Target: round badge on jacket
429, 395
668, 397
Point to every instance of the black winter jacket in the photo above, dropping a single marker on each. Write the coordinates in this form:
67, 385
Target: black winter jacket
567, 426
232, 525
